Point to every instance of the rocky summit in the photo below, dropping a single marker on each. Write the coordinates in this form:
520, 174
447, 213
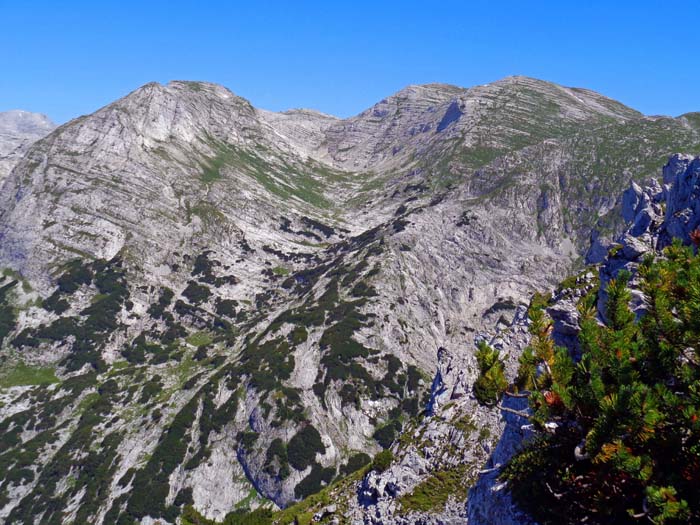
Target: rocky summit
215, 313
18, 131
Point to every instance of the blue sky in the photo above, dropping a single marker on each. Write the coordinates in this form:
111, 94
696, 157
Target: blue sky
71, 57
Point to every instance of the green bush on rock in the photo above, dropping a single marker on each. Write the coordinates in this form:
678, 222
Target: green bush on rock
303, 447
619, 437
382, 461
491, 382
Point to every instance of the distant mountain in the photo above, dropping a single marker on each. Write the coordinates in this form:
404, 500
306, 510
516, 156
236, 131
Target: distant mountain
18, 131
234, 307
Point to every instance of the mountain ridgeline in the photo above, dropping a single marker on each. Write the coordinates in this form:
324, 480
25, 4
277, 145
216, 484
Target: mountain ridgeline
18, 131
211, 312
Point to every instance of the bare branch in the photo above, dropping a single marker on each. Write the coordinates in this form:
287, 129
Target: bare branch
525, 393
516, 412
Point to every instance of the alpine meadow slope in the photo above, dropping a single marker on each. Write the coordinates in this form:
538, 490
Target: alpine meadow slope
209, 308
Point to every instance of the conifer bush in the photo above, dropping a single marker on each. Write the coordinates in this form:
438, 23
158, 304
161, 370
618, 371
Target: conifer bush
303, 447
382, 460
7, 313
492, 380
619, 430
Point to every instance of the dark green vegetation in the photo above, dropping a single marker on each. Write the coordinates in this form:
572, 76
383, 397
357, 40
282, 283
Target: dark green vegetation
276, 460
386, 434
90, 471
7, 313
187, 368
268, 361
382, 461
303, 447
196, 293
150, 484
492, 380
259, 516
626, 447
433, 493
313, 482
169, 377
87, 445
355, 463
93, 325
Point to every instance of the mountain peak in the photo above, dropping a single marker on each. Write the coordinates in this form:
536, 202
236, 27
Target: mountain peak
24, 122
19, 129
418, 90
578, 100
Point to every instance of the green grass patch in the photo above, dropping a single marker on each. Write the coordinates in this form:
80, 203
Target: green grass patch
433, 493
333, 493
200, 339
207, 212
98, 297
22, 374
181, 372
88, 401
280, 270
119, 365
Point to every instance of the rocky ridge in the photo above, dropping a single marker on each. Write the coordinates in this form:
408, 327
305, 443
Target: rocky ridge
216, 285
18, 131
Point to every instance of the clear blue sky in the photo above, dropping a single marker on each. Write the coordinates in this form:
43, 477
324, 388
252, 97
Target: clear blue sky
69, 58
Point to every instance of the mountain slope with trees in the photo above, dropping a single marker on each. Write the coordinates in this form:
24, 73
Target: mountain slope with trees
214, 309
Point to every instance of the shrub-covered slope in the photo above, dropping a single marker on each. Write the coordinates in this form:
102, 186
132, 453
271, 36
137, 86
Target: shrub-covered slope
599, 421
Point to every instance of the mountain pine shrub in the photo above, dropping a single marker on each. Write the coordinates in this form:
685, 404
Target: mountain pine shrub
619, 430
491, 382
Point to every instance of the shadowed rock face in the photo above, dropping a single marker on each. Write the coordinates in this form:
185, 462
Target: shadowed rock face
248, 276
682, 217
18, 131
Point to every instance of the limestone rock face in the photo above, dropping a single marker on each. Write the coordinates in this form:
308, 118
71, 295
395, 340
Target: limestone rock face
650, 228
241, 306
683, 199
18, 131
419, 119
